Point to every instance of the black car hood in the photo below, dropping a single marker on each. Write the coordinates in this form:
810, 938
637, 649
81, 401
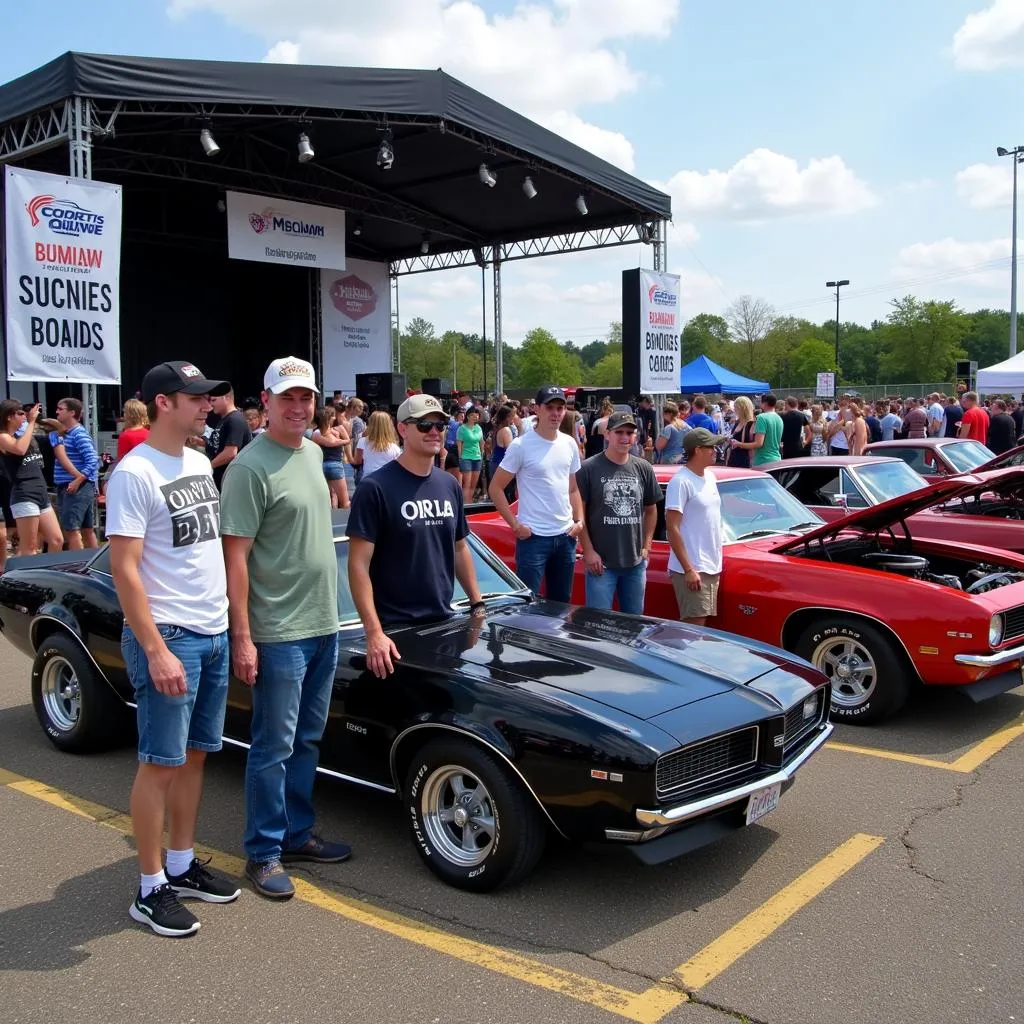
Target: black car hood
638, 665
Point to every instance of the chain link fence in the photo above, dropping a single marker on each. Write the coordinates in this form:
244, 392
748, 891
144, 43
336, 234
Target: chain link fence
873, 392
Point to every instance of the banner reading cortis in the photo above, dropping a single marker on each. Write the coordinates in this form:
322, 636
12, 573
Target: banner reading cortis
355, 312
659, 333
63, 248
269, 230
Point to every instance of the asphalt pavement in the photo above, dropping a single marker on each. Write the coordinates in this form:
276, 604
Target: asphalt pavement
887, 886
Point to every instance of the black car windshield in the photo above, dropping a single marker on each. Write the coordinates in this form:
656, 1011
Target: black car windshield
885, 480
492, 577
967, 455
759, 507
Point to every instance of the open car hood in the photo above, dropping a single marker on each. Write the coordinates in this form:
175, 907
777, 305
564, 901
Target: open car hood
879, 517
1014, 457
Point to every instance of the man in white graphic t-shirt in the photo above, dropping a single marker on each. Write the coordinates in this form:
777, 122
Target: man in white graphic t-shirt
163, 521
693, 518
543, 463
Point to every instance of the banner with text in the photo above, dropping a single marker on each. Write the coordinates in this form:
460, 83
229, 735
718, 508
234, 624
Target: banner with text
355, 315
660, 348
279, 231
63, 253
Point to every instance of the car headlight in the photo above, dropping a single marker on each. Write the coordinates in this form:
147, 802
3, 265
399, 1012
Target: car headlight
995, 630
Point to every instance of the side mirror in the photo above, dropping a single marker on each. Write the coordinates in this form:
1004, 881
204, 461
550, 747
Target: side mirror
841, 501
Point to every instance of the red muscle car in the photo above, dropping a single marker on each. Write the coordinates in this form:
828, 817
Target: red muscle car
936, 458
832, 485
870, 604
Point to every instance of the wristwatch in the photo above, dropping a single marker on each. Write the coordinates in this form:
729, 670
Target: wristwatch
477, 604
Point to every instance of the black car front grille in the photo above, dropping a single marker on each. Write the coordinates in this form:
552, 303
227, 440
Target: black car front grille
797, 726
1013, 620
702, 762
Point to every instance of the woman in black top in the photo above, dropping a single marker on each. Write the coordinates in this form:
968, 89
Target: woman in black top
742, 431
22, 464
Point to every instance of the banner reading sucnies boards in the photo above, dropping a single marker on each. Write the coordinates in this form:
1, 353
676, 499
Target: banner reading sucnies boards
63, 250
660, 351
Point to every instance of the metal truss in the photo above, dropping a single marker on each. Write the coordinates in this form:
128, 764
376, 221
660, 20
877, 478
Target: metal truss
35, 132
552, 245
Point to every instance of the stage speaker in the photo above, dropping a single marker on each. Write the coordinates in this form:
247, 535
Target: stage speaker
439, 387
381, 388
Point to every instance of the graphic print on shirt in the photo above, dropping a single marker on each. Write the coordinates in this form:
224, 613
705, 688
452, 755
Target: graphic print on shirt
193, 504
623, 494
427, 512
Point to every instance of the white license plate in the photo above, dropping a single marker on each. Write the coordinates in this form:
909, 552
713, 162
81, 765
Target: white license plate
763, 802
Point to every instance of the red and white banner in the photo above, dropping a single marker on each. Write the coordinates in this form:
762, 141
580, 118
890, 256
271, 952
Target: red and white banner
660, 348
270, 230
63, 255
355, 321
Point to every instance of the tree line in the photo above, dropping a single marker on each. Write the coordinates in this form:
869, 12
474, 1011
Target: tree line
920, 340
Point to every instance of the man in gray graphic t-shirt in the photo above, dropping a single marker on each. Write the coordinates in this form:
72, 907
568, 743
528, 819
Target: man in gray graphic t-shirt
620, 497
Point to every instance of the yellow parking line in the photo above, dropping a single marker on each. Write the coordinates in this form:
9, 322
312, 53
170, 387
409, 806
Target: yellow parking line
965, 764
647, 1007
724, 951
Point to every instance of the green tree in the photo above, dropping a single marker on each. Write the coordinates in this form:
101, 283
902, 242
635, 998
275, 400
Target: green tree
541, 360
922, 340
987, 336
749, 321
706, 334
592, 353
811, 357
608, 371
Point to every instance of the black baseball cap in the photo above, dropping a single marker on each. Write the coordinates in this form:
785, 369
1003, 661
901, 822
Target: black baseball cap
550, 393
180, 377
620, 419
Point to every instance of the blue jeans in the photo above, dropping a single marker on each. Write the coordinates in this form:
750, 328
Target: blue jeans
290, 701
627, 584
75, 510
168, 726
548, 559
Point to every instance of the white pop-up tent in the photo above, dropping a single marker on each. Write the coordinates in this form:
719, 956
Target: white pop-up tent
1007, 376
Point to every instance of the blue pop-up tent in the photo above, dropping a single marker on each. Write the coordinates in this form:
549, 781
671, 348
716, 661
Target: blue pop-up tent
705, 375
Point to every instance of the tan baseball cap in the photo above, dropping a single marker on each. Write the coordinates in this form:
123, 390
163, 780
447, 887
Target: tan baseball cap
289, 372
415, 407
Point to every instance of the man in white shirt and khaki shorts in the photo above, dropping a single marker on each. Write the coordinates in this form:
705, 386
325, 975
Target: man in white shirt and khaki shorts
693, 517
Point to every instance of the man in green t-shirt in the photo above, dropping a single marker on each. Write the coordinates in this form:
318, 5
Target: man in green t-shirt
767, 443
282, 575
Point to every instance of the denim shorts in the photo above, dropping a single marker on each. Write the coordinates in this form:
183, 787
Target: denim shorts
75, 510
334, 470
168, 726
470, 465
26, 510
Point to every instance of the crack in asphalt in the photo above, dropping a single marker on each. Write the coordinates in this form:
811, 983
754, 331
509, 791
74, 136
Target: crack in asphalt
738, 1015
921, 814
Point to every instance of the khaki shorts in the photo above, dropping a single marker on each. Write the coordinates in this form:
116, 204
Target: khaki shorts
697, 604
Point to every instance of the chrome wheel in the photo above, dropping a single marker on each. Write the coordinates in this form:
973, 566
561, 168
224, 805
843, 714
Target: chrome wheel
850, 668
458, 815
61, 693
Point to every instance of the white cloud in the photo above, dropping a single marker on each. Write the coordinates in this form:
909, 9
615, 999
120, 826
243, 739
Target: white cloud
546, 59
766, 184
976, 264
986, 186
991, 38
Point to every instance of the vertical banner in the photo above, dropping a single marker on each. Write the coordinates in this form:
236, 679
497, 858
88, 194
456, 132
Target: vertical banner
826, 385
63, 254
270, 230
660, 348
355, 327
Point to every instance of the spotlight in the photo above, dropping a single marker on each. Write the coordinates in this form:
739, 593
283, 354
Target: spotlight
208, 142
581, 205
222, 207
386, 152
487, 177
528, 188
357, 227
478, 256
425, 246
645, 232
305, 149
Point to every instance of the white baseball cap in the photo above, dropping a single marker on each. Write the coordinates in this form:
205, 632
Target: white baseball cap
415, 407
289, 372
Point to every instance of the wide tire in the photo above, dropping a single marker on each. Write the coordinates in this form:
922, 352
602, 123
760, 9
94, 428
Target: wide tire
870, 676
77, 710
471, 820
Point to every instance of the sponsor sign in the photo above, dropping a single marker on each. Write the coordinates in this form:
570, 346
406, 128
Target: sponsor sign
660, 346
826, 386
355, 314
63, 254
279, 231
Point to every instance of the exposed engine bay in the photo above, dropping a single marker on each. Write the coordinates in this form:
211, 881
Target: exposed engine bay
964, 574
986, 505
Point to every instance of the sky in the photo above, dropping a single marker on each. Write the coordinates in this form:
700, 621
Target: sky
800, 140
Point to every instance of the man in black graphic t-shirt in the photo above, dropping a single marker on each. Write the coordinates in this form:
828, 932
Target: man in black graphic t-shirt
407, 537
229, 436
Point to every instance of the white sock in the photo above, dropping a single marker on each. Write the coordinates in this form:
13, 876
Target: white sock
151, 882
179, 861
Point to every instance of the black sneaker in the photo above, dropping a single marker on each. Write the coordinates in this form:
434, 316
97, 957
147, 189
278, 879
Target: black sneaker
199, 883
270, 879
164, 912
319, 851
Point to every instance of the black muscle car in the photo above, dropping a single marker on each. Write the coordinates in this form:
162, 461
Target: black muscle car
541, 718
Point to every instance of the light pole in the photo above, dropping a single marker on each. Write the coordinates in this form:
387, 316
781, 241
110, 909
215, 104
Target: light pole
837, 285
1017, 155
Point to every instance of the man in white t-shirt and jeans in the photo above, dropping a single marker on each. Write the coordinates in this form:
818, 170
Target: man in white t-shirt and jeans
693, 518
163, 522
543, 463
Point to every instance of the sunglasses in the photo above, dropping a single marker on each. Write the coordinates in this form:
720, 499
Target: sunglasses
426, 426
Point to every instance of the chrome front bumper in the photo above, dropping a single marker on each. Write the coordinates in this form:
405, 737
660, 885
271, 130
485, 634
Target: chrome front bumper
990, 660
684, 812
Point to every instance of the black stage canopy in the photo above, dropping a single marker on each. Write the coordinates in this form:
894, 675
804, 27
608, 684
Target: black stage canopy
147, 114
